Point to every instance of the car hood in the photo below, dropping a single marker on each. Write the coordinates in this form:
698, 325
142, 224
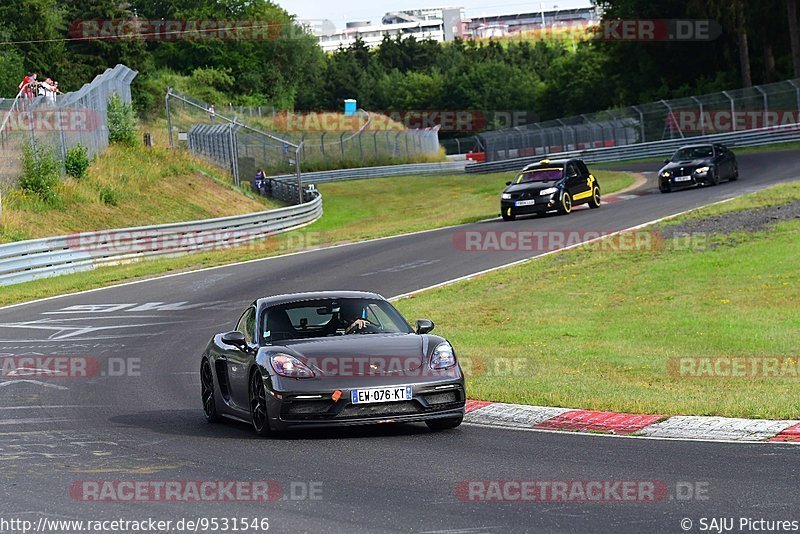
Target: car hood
529, 187
360, 354
686, 165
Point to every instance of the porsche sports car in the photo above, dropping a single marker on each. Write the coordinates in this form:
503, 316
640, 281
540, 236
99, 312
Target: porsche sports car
698, 165
327, 359
549, 185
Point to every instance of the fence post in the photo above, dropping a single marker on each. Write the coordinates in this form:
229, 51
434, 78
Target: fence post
169, 117
641, 122
702, 119
297, 170
733, 109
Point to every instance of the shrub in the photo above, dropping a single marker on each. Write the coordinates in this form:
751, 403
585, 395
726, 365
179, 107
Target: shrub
77, 161
109, 196
121, 121
40, 173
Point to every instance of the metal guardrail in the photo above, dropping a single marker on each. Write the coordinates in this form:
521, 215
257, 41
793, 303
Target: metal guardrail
53, 256
378, 172
760, 137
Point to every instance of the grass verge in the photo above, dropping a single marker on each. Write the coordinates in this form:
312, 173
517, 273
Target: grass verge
353, 210
598, 328
127, 186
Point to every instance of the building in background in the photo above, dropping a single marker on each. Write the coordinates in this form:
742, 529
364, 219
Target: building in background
517, 24
443, 24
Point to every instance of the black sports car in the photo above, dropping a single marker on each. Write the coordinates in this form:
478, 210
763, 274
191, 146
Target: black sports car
330, 358
549, 185
698, 165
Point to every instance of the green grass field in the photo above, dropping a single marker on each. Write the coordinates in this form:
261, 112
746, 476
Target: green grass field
128, 186
353, 211
596, 328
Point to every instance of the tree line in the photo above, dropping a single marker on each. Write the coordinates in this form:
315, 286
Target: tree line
546, 78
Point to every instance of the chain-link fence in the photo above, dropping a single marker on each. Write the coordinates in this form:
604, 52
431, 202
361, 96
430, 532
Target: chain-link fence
60, 121
250, 140
752, 108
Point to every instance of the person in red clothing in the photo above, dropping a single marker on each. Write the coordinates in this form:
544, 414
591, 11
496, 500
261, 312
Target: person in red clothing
26, 86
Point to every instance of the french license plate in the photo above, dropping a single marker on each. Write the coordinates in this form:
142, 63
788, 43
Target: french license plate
519, 203
373, 395
682, 178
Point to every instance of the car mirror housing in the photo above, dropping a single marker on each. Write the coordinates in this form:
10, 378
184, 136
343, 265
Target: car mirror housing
235, 339
508, 183
424, 326
666, 161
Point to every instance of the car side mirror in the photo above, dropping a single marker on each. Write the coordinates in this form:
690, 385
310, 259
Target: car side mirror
508, 183
424, 326
235, 339
666, 161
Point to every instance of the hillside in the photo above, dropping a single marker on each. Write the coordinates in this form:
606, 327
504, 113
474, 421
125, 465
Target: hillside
128, 186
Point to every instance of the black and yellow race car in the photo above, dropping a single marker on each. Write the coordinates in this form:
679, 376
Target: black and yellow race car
555, 185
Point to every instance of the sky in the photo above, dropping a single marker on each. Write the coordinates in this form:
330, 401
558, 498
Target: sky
340, 11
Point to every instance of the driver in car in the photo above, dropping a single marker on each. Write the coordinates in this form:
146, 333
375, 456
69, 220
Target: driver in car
349, 319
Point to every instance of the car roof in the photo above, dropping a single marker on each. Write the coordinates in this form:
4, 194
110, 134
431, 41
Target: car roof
699, 145
316, 295
548, 163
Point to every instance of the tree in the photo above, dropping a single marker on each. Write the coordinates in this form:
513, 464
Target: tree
794, 35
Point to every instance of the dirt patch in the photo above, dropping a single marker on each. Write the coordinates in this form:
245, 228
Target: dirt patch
752, 220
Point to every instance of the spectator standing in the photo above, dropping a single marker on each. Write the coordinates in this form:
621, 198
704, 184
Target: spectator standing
212, 113
27, 84
48, 89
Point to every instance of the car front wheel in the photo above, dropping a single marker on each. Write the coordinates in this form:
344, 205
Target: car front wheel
566, 203
507, 215
258, 405
207, 393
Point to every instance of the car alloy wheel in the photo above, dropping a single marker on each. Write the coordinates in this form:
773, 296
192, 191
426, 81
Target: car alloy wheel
258, 405
735, 175
207, 392
566, 203
594, 203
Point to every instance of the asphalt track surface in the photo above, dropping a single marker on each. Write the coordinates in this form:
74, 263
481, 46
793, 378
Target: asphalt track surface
56, 432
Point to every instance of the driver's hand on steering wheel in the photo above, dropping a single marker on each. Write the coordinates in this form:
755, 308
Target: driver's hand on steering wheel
358, 324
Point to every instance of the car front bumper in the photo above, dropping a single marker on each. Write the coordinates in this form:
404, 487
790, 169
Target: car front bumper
541, 205
430, 400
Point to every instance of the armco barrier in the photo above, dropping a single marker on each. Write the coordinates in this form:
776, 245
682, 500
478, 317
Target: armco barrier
41, 258
378, 172
760, 137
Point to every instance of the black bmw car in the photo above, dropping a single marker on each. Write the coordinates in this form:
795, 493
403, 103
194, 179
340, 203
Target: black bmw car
692, 165
556, 185
330, 358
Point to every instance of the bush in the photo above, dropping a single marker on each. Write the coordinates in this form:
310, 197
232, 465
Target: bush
77, 161
40, 173
121, 121
108, 196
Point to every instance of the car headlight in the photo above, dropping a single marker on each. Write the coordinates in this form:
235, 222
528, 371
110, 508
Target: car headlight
286, 365
443, 356
548, 191
506, 196
701, 170
666, 174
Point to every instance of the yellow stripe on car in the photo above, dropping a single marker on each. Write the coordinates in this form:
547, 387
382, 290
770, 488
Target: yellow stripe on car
581, 196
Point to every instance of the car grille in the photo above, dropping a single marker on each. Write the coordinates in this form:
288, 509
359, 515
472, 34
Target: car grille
441, 398
384, 409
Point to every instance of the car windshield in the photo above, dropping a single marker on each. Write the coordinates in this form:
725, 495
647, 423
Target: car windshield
330, 317
539, 175
693, 152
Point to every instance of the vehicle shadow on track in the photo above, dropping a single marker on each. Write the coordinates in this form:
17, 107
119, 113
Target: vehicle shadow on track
192, 423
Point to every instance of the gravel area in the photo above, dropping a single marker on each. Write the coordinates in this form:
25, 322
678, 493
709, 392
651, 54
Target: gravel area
751, 220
